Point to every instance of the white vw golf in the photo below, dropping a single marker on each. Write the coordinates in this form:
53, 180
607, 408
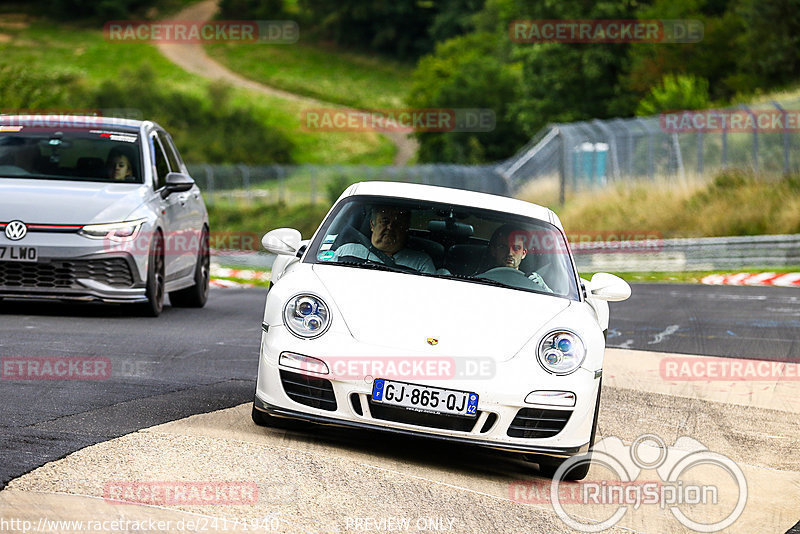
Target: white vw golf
436, 312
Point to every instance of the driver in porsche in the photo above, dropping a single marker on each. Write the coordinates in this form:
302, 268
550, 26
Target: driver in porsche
507, 249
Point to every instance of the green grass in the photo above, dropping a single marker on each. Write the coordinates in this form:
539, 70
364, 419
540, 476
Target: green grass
320, 72
85, 52
733, 203
258, 217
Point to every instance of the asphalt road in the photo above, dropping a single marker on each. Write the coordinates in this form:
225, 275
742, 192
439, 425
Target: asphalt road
195, 361
185, 362
732, 321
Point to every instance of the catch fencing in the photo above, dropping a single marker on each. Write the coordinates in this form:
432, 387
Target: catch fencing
324, 183
676, 146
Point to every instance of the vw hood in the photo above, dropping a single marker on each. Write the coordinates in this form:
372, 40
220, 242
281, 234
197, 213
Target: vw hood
62, 202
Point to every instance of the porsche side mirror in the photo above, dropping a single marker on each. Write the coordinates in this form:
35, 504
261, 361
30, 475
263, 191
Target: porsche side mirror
604, 286
282, 241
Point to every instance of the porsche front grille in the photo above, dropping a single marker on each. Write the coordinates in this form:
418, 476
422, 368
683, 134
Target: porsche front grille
399, 414
310, 391
538, 423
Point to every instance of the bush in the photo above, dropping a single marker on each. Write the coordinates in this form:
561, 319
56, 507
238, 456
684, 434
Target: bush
251, 9
209, 130
23, 88
676, 92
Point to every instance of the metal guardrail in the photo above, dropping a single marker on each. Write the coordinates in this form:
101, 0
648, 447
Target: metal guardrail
696, 254
657, 255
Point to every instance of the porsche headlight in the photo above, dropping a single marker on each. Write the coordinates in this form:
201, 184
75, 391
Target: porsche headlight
306, 316
123, 231
561, 352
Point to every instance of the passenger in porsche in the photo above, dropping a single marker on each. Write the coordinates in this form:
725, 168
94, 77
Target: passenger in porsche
389, 234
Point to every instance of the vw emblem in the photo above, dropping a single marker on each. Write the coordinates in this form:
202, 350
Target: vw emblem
16, 230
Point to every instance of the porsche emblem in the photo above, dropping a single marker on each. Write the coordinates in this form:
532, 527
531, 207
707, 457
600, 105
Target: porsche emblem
433, 341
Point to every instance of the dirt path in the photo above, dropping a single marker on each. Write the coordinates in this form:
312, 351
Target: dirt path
193, 58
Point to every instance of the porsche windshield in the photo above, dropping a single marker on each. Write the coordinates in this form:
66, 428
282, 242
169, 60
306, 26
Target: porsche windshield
95, 155
448, 241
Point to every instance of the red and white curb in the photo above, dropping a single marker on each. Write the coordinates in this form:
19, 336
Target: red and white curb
227, 283
244, 274
754, 279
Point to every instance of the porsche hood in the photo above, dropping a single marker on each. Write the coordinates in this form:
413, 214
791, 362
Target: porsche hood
401, 311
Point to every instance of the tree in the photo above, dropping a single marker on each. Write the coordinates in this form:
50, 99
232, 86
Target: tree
470, 71
565, 82
769, 45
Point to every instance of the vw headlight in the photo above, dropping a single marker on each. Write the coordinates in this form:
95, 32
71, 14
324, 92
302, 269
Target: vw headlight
306, 316
561, 352
123, 231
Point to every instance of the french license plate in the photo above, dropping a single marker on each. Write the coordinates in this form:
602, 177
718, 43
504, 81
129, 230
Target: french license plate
17, 253
425, 398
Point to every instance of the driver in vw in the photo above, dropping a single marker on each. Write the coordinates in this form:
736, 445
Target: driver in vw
389, 228
507, 249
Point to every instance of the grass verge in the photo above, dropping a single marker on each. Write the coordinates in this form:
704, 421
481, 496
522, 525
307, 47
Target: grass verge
86, 54
320, 72
733, 203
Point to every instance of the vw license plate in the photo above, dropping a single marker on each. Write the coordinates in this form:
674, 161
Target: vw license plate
424, 398
18, 253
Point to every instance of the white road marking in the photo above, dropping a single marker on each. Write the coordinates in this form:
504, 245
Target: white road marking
661, 336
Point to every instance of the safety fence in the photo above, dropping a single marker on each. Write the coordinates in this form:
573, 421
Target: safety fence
678, 146
651, 255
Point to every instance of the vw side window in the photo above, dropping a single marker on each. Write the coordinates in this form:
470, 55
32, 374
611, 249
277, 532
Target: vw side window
169, 150
162, 167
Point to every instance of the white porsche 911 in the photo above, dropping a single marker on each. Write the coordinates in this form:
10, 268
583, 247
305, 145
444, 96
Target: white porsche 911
436, 312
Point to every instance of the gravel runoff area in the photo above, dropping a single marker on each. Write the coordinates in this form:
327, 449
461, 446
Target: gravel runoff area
331, 480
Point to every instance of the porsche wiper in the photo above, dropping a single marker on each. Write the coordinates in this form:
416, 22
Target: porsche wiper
367, 264
488, 282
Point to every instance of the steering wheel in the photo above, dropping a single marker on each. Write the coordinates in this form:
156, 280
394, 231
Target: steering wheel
511, 277
503, 274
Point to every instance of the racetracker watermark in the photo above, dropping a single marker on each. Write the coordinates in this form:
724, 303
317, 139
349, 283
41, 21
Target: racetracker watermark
178, 243
694, 368
703, 490
588, 242
731, 120
182, 493
399, 523
399, 367
606, 31
55, 368
399, 120
195, 31
19, 119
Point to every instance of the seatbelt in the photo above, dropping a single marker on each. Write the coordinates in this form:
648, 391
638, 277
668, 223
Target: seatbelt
385, 258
